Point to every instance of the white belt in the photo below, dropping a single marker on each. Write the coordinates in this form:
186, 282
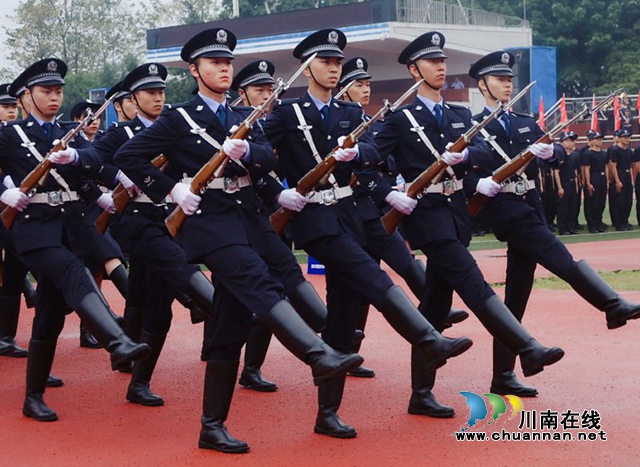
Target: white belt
142, 198
329, 197
448, 187
519, 188
227, 184
54, 198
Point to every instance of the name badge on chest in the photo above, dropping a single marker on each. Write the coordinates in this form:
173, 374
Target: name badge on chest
346, 124
524, 130
457, 125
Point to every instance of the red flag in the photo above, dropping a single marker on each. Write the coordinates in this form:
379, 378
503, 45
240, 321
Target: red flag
594, 116
541, 122
563, 112
616, 113
638, 103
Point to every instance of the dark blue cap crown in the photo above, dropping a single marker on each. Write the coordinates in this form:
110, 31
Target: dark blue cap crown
147, 76
354, 69
327, 43
428, 45
254, 74
496, 63
210, 43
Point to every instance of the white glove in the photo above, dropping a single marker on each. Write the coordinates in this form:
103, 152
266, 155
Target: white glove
345, 154
542, 151
235, 148
8, 182
15, 198
488, 187
105, 201
401, 202
453, 158
182, 196
128, 185
292, 200
66, 156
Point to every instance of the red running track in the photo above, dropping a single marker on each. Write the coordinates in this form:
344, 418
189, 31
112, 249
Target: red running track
98, 427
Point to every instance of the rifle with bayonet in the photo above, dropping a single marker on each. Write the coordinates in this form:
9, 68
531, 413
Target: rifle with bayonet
121, 198
318, 174
215, 166
519, 163
344, 90
30, 182
392, 219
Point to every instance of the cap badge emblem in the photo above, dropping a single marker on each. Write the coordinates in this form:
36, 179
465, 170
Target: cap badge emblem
435, 40
333, 37
221, 36
153, 69
52, 66
263, 67
359, 63
505, 58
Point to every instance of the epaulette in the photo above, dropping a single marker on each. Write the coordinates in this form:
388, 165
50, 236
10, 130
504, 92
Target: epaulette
457, 106
68, 124
123, 124
402, 107
177, 105
350, 104
522, 114
242, 108
13, 122
294, 100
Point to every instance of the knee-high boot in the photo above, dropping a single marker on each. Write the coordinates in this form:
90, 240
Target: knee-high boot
309, 305
504, 380
358, 337
9, 316
120, 279
299, 339
108, 332
139, 391
201, 290
29, 293
586, 281
195, 313
405, 318
219, 383
38, 368
328, 421
422, 401
255, 353
500, 322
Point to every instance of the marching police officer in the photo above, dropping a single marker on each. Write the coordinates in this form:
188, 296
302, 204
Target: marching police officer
594, 168
226, 229
620, 184
302, 131
516, 215
565, 175
438, 223
49, 232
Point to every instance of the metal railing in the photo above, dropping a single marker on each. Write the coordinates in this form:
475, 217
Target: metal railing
429, 11
576, 104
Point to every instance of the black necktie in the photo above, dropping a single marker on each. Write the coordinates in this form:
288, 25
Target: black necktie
222, 115
324, 111
437, 112
48, 129
507, 124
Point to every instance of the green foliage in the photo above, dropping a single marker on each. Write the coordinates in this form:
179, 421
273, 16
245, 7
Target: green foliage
264, 7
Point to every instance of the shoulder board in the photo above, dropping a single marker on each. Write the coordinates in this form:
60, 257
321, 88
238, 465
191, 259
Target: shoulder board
350, 104
522, 114
68, 124
13, 122
242, 108
402, 107
457, 106
177, 105
123, 124
295, 100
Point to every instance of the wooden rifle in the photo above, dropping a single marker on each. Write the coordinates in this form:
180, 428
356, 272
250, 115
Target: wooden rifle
392, 219
281, 218
30, 182
520, 162
215, 166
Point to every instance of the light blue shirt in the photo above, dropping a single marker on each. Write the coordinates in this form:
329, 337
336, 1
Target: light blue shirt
491, 109
145, 121
319, 104
431, 104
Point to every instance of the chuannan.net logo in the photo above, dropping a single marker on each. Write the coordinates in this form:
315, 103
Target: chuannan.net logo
479, 412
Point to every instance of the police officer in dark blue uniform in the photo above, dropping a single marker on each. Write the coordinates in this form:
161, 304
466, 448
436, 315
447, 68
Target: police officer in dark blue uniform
380, 245
226, 229
439, 224
594, 167
49, 232
516, 215
620, 184
565, 175
303, 131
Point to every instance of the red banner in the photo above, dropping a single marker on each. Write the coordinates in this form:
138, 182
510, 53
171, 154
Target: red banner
541, 122
594, 115
616, 113
563, 112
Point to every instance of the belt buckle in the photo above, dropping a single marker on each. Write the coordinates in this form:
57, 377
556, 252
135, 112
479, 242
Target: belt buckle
328, 197
448, 187
54, 198
520, 187
231, 184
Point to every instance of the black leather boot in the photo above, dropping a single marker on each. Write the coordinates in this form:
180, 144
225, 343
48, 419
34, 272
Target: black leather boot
219, 383
301, 341
54, 382
504, 379
120, 279
29, 293
588, 283
195, 313
405, 318
415, 277
139, 391
201, 291
119, 319
328, 421
108, 333
455, 316
503, 326
361, 371
134, 319
87, 340
9, 316
309, 305
422, 401
38, 367
255, 352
